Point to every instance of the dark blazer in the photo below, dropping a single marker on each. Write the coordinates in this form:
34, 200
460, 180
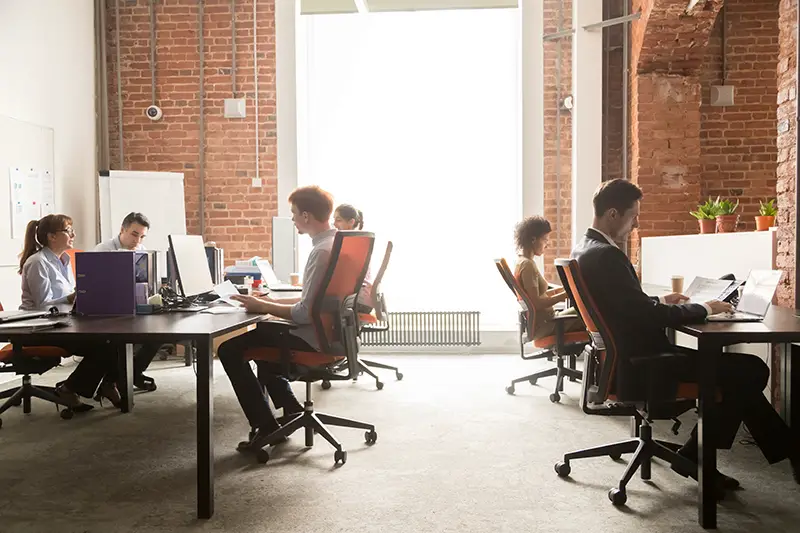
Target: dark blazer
636, 320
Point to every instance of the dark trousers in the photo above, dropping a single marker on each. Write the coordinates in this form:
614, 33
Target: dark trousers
247, 386
741, 380
142, 357
98, 360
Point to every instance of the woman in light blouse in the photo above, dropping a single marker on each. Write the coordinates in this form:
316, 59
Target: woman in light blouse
532, 236
47, 281
346, 217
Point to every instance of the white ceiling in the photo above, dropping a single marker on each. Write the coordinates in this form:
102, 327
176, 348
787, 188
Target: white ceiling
312, 7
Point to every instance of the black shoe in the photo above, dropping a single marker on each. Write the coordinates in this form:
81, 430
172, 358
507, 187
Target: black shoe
145, 383
255, 439
795, 461
722, 481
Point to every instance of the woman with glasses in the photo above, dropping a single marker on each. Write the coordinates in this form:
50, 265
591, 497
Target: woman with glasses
346, 218
47, 281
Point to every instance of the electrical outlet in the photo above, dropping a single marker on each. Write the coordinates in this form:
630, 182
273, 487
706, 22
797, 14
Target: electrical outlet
235, 108
256, 182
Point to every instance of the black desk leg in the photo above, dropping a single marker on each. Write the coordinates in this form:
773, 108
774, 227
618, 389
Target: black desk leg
707, 420
125, 364
205, 419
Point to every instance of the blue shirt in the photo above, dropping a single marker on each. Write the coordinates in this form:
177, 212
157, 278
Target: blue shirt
114, 245
47, 280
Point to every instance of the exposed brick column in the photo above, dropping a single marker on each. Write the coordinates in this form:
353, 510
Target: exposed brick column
238, 216
787, 149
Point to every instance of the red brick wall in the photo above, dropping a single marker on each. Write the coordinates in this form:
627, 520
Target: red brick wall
237, 216
738, 149
787, 148
557, 166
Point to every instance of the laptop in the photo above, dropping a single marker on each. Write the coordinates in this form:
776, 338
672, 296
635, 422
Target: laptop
15, 316
756, 298
271, 281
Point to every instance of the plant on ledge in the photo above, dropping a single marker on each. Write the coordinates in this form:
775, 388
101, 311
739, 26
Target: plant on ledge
706, 215
767, 212
727, 219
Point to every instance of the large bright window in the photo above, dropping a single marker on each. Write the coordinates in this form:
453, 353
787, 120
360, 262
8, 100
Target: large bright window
414, 118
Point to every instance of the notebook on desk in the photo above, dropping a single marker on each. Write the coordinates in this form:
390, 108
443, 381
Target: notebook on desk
756, 298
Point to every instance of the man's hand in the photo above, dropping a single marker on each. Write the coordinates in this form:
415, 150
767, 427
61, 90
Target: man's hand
675, 298
71, 298
251, 303
719, 307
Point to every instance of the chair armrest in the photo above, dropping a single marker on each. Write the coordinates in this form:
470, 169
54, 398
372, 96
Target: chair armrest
274, 321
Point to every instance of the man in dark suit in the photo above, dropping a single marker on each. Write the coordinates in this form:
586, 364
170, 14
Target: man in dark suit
638, 322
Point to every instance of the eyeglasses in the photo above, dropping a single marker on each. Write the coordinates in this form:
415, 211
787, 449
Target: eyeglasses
70, 232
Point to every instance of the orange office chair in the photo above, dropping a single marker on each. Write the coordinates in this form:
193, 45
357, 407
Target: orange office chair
561, 345
71, 253
599, 396
333, 317
376, 319
24, 361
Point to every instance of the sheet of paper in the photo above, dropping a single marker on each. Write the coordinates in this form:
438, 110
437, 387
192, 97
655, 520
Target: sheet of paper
16, 179
223, 310
225, 290
33, 195
705, 289
48, 197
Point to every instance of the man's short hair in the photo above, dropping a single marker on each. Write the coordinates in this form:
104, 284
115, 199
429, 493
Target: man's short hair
135, 218
313, 200
616, 194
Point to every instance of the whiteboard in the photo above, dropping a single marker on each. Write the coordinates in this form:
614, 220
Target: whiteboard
26, 146
157, 195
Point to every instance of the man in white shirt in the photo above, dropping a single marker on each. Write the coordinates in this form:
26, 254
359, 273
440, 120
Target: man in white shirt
131, 236
311, 213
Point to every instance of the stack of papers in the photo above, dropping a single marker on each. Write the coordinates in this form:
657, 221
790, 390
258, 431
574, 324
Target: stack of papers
706, 289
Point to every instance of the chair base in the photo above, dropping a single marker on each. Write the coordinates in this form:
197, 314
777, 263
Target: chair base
312, 422
23, 394
365, 366
644, 449
560, 372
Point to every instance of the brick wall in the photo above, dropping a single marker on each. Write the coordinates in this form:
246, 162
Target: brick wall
237, 215
557, 144
787, 148
738, 149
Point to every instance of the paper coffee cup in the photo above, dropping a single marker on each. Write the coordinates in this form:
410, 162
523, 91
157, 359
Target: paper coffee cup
677, 284
294, 279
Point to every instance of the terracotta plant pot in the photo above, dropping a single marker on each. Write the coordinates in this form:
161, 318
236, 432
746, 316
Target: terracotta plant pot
764, 223
727, 223
707, 225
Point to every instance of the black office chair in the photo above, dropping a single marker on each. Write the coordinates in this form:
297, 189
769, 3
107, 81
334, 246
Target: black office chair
560, 346
599, 396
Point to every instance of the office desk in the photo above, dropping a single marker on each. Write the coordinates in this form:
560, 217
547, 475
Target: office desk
780, 326
201, 328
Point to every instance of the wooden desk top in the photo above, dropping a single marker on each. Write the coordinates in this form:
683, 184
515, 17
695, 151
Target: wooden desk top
142, 328
780, 325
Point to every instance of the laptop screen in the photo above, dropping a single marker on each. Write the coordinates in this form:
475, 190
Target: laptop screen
267, 274
758, 291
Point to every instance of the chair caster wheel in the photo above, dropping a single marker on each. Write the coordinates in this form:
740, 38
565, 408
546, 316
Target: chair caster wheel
379, 385
262, 456
399, 376
371, 437
615, 456
617, 497
326, 385
562, 469
67, 414
163, 357
340, 456
555, 397
17, 403
510, 390
532, 381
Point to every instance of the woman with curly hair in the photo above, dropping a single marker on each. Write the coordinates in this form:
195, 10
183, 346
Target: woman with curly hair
532, 236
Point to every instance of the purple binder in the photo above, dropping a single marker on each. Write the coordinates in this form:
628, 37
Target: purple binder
105, 283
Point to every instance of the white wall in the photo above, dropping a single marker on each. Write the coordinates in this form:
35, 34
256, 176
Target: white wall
47, 78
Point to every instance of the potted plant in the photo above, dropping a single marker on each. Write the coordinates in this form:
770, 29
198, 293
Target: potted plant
727, 219
766, 218
706, 216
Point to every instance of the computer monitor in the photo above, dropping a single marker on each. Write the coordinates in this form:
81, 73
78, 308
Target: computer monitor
191, 265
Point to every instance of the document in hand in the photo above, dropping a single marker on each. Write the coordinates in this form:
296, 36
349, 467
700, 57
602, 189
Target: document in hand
706, 289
